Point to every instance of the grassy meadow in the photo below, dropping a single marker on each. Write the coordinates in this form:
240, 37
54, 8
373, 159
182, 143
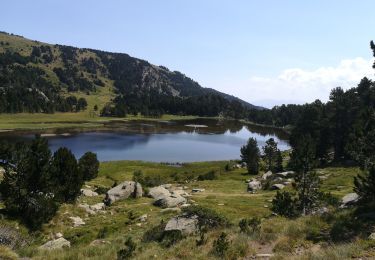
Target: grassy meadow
227, 195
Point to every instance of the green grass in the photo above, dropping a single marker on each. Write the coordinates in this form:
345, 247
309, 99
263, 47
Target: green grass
278, 235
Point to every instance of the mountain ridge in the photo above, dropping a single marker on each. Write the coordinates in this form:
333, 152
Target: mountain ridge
64, 70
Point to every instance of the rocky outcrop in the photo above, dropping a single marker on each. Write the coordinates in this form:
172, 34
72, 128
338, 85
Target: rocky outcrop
254, 185
170, 201
93, 209
77, 221
158, 192
287, 174
56, 244
123, 191
88, 193
187, 226
167, 196
349, 199
267, 175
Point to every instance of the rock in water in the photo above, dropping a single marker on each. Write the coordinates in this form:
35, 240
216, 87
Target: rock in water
124, 190
56, 244
185, 225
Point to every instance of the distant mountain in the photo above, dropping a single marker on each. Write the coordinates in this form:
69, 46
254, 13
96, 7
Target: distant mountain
41, 77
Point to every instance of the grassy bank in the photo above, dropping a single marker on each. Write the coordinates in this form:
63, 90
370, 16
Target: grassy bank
227, 195
80, 120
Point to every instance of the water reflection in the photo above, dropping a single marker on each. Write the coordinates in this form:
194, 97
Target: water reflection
165, 141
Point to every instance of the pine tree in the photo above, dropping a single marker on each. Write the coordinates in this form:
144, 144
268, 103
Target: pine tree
270, 153
250, 154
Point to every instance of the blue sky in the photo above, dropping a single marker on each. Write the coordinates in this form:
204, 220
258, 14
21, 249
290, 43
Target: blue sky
267, 52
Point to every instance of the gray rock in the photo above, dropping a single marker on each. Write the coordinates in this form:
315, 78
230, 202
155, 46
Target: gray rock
98, 242
159, 192
124, 190
177, 210
197, 190
88, 193
287, 174
349, 199
266, 175
278, 186
170, 202
185, 225
180, 193
143, 218
98, 206
371, 236
56, 244
77, 221
87, 208
254, 185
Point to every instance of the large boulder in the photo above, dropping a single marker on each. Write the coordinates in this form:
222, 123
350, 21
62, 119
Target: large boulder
56, 244
124, 190
266, 175
287, 174
170, 202
349, 199
185, 225
254, 185
159, 192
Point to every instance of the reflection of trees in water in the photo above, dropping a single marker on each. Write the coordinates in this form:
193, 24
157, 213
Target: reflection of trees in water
264, 131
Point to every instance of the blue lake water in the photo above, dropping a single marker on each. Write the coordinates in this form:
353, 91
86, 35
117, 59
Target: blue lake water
164, 143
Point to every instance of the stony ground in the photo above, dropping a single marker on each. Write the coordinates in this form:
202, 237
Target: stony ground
91, 230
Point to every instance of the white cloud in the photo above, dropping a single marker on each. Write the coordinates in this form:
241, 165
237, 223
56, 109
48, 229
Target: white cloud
299, 86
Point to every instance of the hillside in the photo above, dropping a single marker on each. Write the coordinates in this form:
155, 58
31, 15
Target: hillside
40, 77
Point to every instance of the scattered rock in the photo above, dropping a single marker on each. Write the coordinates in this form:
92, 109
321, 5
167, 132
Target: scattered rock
87, 208
220, 204
88, 193
98, 242
138, 224
320, 211
123, 191
285, 174
278, 186
170, 202
197, 190
171, 210
371, 236
159, 192
349, 199
254, 185
167, 186
180, 193
143, 218
98, 206
266, 175
77, 221
185, 225
58, 235
264, 255
56, 244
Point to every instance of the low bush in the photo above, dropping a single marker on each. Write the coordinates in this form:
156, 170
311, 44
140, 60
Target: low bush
165, 238
250, 226
285, 205
221, 245
128, 251
209, 176
207, 218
